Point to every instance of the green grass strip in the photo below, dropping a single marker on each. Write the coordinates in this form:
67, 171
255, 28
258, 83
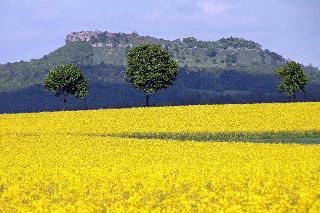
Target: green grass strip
311, 137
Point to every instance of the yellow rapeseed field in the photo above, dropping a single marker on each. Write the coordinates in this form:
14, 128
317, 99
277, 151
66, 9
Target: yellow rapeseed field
70, 162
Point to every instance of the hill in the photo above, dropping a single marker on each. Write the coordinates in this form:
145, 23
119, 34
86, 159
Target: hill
230, 70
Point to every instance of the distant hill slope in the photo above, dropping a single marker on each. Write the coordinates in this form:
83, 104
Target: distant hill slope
211, 71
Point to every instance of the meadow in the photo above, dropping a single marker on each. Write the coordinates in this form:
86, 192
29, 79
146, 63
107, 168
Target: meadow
259, 157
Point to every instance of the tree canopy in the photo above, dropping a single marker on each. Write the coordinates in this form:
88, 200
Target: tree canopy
150, 68
293, 79
65, 80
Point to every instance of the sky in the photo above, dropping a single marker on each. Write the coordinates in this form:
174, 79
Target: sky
33, 28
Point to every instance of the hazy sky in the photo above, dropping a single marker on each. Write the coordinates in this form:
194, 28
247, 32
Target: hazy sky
32, 28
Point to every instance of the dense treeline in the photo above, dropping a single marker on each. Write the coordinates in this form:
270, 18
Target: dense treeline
191, 87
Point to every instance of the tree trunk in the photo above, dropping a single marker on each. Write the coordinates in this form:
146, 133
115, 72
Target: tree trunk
147, 100
65, 100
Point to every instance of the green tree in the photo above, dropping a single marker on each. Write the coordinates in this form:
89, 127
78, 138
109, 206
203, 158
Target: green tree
292, 78
150, 69
66, 80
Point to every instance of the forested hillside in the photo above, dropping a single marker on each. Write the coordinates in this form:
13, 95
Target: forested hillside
230, 70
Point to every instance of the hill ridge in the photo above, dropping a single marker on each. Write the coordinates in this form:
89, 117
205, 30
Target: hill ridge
229, 70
